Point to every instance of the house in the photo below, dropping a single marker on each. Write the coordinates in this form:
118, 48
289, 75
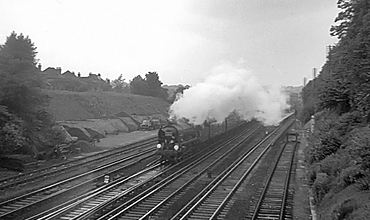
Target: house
56, 80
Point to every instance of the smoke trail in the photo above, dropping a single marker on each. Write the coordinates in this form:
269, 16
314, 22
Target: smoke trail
230, 89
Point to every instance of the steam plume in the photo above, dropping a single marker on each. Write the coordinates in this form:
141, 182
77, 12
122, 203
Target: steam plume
230, 89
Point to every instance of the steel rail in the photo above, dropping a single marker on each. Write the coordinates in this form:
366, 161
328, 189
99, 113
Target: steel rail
220, 197
111, 191
20, 203
212, 159
12, 181
257, 212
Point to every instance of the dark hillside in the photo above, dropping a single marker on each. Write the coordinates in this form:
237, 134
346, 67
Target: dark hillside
338, 153
66, 105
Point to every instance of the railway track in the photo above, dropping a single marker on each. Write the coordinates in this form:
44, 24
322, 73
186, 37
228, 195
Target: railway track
74, 185
214, 201
87, 202
160, 197
68, 166
164, 199
163, 179
275, 201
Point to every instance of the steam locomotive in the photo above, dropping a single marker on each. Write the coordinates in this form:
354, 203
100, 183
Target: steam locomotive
175, 141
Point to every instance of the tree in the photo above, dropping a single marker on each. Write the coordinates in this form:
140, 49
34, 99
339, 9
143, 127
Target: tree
21, 94
340, 142
150, 86
119, 85
138, 86
350, 18
347, 86
17, 55
20, 82
155, 86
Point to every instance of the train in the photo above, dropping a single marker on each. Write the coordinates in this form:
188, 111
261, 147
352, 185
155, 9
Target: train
176, 140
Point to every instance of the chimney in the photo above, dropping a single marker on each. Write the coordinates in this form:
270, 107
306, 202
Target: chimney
59, 70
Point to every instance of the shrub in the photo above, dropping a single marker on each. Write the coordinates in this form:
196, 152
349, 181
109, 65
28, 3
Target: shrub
11, 137
344, 209
333, 164
358, 146
349, 176
321, 186
362, 212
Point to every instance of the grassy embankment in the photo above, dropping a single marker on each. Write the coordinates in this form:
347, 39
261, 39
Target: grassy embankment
338, 164
65, 105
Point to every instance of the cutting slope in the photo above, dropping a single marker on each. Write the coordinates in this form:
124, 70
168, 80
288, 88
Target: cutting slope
67, 105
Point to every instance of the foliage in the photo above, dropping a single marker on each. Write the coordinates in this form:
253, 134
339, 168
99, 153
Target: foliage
346, 85
40, 132
348, 166
24, 123
17, 55
155, 86
138, 86
119, 85
321, 186
338, 155
350, 18
150, 86
334, 94
308, 98
10, 132
339, 147
340, 143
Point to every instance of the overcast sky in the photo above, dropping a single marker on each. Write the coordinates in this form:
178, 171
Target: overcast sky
278, 41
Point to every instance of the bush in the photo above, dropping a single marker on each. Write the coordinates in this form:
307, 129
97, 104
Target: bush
349, 176
333, 164
11, 138
321, 186
331, 133
358, 146
344, 209
363, 212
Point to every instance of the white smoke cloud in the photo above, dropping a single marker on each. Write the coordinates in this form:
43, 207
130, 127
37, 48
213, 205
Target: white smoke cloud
229, 89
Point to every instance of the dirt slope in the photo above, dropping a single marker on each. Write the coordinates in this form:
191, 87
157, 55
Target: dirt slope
67, 105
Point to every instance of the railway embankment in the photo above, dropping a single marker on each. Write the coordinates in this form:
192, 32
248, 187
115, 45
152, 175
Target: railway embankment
89, 115
69, 106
